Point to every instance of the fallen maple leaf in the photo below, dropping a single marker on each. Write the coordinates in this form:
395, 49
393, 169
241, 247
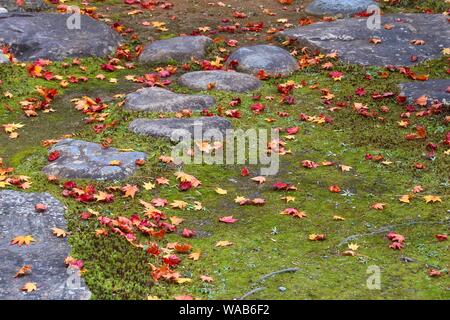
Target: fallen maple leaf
378, 206
59, 232
224, 243
228, 219
29, 287
20, 240
194, 255
432, 199
129, 190
206, 278
259, 179
23, 271
221, 191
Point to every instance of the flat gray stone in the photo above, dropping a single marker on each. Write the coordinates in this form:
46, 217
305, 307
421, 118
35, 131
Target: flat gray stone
222, 80
178, 49
351, 39
161, 100
86, 160
46, 255
28, 5
273, 60
3, 10
46, 36
338, 7
175, 128
433, 89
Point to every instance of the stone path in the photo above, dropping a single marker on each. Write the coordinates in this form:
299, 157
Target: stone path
175, 128
338, 7
28, 5
86, 160
352, 39
178, 49
273, 60
433, 89
219, 80
18, 217
45, 35
161, 100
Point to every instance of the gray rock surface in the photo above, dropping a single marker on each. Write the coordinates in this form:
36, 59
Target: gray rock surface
434, 89
273, 60
351, 39
46, 255
3, 10
161, 100
86, 160
174, 128
178, 49
338, 7
28, 5
222, 80
46, 35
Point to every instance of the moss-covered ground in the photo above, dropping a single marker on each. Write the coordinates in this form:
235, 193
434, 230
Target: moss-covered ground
263, 240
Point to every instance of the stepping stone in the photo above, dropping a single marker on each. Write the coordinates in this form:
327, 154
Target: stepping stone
433, 89
45, 256
222, 80
161, 100
178, 49
46, 36
351, 39
273, 60
338, 7
86, 160
28, 5
174, 128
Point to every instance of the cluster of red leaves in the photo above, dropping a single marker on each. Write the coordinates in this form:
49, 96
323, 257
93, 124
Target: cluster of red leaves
397, 241
6, 178
30, 106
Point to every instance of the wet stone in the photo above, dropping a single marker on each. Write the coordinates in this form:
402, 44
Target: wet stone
351, 39
35, 36
86, 160
220, 80
178, 49
338, 7
45, 255
175, 128
273, 60
161, 100
438, 89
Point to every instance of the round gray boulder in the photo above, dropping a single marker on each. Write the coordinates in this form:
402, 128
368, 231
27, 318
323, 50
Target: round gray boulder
338, 7
178, 49
273, 60
220, 80
47, 36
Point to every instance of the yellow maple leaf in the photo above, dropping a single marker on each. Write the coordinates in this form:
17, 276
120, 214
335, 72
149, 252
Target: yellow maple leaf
194, 255
178, 204
221, 191
353, 246
224, 243
432, 199
183, 280
149, 186
20, 240
29, 287
59, 232
405, 198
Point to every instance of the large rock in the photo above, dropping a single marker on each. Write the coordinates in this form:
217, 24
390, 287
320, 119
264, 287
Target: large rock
433, 89
338, 7
45, 35
27, 5
176, 128
86, 160
220, 80
178, 49
161, 100
351, 38
45, 256
273, 60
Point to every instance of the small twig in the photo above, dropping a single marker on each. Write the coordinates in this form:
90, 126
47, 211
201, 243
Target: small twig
276, 272
386, 229
251, 292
